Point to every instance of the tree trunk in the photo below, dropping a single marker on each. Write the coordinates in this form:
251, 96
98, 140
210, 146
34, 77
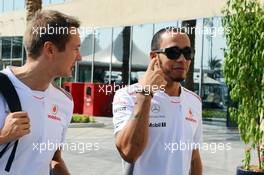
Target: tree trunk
189, 84
32, 7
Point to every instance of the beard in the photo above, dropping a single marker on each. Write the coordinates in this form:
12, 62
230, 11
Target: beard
178, 79
174, 78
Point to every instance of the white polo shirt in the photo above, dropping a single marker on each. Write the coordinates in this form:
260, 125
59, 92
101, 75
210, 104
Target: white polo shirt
175, 129
50, 113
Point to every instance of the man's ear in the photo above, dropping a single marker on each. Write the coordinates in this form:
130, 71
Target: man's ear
153, 55
48, 48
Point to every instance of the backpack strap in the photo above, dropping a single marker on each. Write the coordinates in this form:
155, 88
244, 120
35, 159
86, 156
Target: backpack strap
10, 95
9, 92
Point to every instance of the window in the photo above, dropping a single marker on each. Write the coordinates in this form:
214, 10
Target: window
209, 45
17, 47
46, 2
6, 47
102, 59
19, 4
84, 72
103, 41
87, 37
142, 35
159, 26
1, 5
16, 63
8, 5
117, 72
57, 1
85, 67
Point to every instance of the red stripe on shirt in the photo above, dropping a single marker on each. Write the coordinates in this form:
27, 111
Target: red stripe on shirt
190, 92
63, 91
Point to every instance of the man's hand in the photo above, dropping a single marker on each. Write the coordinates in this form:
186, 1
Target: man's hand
154, 76
196, 165
58, 165
132, 140
16, 125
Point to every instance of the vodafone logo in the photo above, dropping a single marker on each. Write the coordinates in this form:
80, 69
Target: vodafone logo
54, 109
190, 112
190, 116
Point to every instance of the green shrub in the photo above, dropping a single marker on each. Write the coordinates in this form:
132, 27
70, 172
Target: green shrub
209, 113
78, 118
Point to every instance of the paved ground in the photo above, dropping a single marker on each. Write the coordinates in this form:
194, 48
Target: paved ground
100, 156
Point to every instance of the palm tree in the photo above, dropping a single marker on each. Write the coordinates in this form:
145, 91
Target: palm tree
215, 66
32, 7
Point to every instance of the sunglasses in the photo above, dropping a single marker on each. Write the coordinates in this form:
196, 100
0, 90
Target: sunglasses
175, 52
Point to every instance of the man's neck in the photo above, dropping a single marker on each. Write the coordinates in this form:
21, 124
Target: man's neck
34, 75
173, 89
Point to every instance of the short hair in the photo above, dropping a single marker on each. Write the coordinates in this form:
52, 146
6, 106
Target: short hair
156, 40
44, 27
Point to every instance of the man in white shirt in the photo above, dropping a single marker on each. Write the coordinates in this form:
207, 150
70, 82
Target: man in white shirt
46, 108
158, 123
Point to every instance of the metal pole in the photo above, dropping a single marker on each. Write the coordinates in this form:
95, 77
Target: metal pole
93, 48
201, 66
130, 54
76, 72
1, 58
22, 52
11, 54
111, 56
153, 30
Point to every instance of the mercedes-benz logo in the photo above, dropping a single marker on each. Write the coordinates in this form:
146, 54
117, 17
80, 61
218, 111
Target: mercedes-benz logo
155, 108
